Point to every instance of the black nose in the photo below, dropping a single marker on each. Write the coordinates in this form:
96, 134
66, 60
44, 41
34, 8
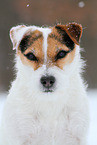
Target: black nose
47, 81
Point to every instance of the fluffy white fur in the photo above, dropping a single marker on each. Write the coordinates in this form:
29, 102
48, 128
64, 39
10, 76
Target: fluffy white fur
32, 117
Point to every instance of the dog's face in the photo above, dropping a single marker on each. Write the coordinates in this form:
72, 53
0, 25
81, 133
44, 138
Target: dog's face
46, 57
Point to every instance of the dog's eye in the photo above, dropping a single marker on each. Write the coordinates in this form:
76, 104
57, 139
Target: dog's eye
61, 54
31, 56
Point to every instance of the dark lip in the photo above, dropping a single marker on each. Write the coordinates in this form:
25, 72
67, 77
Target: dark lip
47, 91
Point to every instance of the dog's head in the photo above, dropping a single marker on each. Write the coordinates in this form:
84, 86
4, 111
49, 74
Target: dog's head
47, 58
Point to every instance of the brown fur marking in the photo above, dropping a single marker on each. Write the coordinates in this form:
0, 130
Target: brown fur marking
36, 48
73, 30
54, 46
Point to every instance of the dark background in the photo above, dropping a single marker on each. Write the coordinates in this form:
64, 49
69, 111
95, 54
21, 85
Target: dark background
45, 13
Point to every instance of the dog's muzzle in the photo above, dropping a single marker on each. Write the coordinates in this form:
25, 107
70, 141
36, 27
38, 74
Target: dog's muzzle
48, 83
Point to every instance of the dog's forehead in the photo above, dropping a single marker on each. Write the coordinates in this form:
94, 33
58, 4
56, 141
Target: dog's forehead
45, 33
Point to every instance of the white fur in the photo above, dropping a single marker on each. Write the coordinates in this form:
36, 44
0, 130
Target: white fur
32, 117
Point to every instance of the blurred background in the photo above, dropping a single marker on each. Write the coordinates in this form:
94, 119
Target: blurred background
44, 13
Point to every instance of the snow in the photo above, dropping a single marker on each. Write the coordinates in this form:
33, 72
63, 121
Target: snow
27, 5
2, 101
92, 137
81, 4
92, 94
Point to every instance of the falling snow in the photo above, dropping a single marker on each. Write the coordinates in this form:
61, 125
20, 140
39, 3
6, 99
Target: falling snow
27, 5
81, 4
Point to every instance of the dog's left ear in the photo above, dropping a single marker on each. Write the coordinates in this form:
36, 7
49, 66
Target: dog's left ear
17, 33
73, 30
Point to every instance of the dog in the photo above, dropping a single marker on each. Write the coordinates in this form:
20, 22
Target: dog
47, 103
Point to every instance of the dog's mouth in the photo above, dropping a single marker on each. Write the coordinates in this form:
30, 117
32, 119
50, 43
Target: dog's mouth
48, 90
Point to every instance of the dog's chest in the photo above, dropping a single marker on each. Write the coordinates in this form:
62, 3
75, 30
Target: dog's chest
37, 124
39, 128
46, 131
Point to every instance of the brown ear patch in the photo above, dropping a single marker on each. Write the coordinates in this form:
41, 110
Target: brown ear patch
73, 30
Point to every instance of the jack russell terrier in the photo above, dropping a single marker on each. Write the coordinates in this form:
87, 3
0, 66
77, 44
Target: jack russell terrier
47, 103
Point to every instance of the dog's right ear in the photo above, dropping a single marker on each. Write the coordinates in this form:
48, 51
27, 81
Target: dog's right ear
17, 33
